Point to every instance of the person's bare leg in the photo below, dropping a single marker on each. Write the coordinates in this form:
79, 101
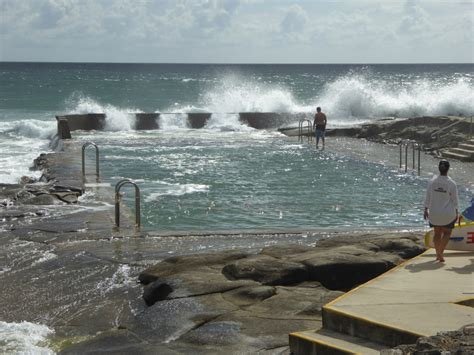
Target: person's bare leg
444, 242
323, 141
438, 232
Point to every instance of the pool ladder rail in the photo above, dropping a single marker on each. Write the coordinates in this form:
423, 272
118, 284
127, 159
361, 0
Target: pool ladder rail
302, 127
87, 144
118, 186
416, 147
118, 198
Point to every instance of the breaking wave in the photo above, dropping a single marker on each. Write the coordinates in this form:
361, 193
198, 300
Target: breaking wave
349, 98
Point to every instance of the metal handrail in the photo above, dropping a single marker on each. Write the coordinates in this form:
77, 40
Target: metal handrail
118, 196
415, 146
96, 159
435, 134
309, 128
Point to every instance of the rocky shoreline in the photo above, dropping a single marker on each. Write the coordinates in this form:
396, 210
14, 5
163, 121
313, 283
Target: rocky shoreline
421, 130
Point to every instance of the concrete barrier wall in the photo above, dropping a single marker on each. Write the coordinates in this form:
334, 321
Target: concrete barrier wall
85, 122
145, 121
150, 121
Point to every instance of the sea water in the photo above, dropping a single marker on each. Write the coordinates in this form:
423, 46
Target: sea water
227, 175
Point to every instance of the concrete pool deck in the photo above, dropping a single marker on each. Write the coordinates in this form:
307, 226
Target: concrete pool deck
420, 297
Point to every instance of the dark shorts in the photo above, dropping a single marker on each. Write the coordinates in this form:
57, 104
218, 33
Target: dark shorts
319, 133
449, 225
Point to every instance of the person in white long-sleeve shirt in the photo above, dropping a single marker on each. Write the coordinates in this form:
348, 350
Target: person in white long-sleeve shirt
442, 208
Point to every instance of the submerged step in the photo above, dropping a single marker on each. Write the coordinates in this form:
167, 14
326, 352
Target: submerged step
326, 341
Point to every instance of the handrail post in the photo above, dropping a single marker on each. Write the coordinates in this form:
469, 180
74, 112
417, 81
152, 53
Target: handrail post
419, 159
85, 145
406, 157
118, 186
413, 149
401, 148
470, 129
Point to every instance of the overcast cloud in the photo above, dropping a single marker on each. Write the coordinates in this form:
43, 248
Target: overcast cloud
237, 31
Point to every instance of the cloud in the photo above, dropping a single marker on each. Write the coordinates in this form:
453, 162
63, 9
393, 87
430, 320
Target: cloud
250, 30
295, 20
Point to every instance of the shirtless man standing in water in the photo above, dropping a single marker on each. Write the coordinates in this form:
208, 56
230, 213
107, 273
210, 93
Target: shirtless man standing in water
441, 208
319, 126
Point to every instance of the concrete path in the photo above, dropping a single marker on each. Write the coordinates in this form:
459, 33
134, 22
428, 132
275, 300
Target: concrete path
421, 297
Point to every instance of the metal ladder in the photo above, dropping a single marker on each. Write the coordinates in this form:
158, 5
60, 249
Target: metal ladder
415, 147
96, 159
118, 197
309, 129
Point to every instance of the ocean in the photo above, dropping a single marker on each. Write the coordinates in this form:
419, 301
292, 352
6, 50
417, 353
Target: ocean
228, 176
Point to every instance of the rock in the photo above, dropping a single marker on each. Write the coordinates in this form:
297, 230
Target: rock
68, 197
343, 268
403, 247
27, 180
119, 341
156, 291
168, 320
266, 270
44, 199
294, 302
176, 264
283, 251
244, 296
452, 342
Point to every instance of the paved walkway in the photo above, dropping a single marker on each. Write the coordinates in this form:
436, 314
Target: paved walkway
421, 296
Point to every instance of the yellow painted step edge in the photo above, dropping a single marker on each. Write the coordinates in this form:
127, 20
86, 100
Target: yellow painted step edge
323, 343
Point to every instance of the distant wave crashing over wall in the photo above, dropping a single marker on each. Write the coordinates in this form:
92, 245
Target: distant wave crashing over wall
354, 97
361, 96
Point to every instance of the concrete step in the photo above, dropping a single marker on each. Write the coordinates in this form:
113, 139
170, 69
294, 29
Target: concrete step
328, 342
467, 146
364, 328
462, 152
457, 156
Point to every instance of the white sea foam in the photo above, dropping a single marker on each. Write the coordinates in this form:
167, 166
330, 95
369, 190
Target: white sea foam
166, 189
24, 338
116, 119
30, 128
360, 95
119, 279
355, 97
46, 257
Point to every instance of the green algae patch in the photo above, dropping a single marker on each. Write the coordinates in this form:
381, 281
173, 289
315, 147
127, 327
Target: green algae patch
58, 344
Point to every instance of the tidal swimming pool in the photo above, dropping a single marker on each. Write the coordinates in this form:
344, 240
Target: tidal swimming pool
213, 180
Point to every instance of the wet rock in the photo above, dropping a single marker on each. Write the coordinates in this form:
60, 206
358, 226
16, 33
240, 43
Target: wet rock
44, 199
119, 341
67, 197
170, 319
266, 270
283, 251
156, 291
9, 191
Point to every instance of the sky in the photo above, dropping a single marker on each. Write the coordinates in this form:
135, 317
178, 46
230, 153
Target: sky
237, 31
